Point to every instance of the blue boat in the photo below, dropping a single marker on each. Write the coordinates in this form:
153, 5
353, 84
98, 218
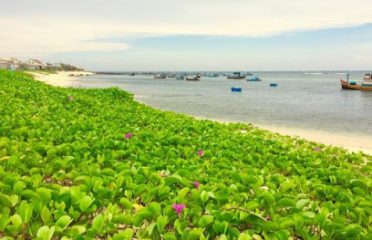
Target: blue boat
273, 84
253, 79
236, 89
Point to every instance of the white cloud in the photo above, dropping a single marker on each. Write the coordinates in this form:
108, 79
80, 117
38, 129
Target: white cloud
42, 27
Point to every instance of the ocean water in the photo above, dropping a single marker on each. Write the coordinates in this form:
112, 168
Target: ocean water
302, 101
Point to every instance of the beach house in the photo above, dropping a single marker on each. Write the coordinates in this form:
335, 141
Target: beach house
34, 64
9, 63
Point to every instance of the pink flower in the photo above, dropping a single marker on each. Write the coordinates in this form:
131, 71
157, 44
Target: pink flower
178, 208
128, 135
200, 153
196, 184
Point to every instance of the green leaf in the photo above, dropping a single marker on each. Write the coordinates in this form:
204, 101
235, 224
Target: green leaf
85, 203
205, 220
169, 236
244, 236
25, 210
98, 223
45, 215
62, 223
44, 194
268, 197
16, 220
124, 235
161, 222
45, 233
126, 203
302, 203
282, 235
13, 199
180, 226
204, 196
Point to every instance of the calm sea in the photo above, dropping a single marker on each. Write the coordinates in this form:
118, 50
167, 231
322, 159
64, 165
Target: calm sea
303, 101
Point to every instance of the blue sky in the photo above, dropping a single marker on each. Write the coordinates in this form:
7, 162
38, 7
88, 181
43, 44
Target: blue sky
124, 35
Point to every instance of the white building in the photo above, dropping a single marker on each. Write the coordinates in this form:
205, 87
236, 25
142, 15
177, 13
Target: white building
34, 64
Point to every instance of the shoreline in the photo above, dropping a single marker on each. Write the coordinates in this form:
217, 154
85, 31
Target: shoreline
61, 78
349, 142
353, 143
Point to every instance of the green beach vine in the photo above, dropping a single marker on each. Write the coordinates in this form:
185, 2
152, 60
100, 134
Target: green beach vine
95, 164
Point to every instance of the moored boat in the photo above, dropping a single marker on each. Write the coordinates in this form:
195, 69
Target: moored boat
160, 76
253, 79
193, 78
365, 86
180, 77
236, 76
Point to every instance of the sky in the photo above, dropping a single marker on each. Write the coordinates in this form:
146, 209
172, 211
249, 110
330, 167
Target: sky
187, 35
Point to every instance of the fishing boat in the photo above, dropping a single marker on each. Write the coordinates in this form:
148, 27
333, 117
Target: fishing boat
180, 77
160, 76
193, 78
351, 85
236, 76
253, 79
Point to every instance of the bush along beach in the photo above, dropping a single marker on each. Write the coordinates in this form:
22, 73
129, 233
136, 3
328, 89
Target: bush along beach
94, 163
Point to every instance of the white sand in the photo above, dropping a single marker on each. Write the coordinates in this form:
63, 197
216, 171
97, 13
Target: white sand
61, 78
348, 141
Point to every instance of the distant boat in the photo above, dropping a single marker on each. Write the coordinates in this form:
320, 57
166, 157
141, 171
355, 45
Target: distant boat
350, 85
236, 89
160, 76
273, 84
172, 75
236, 76
313, 73
253, 79
193, 78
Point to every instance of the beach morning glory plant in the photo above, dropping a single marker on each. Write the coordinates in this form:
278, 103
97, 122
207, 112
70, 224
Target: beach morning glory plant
178, 208
128, 135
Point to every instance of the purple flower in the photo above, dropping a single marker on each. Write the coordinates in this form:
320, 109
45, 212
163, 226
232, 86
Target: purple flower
200, 153
128, 135
178, 208
196, 184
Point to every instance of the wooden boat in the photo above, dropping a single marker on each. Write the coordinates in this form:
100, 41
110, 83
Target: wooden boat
353, 86
160, 76
193, 78
236, 76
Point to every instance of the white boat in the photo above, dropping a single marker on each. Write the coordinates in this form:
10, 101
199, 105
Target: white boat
193, 78
160, 76
180, 77
367, 80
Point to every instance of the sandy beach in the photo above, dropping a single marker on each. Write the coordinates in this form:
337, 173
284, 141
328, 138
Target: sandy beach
353, 143
347, 141
61, 78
